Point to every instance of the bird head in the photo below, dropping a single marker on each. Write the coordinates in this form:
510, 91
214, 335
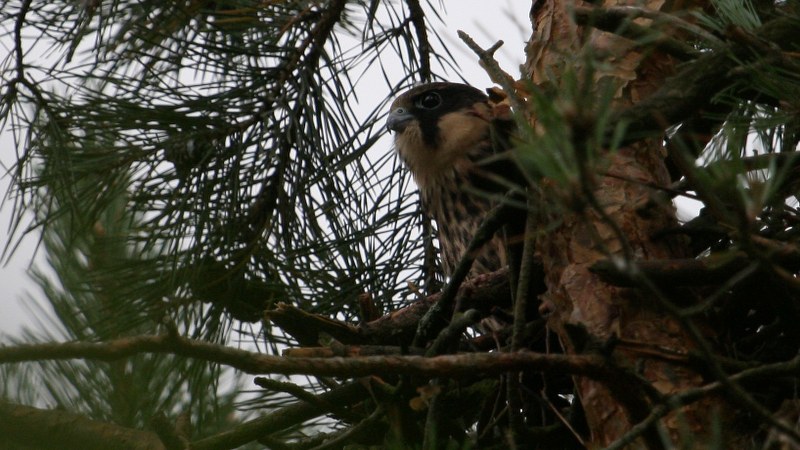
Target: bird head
436, 125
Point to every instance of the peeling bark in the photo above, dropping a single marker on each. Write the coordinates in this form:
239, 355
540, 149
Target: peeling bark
629, 216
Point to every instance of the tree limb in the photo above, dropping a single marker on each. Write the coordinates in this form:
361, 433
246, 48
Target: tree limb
461, 365
41, 428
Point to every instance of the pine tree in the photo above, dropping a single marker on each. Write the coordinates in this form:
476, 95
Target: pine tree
213, 207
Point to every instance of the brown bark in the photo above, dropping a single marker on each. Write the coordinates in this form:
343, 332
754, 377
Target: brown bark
483, 292
614, 224
39, 428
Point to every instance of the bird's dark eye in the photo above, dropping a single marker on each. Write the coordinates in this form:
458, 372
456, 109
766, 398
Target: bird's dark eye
431, 100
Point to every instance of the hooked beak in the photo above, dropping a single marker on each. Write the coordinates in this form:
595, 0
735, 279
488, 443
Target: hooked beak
398, 120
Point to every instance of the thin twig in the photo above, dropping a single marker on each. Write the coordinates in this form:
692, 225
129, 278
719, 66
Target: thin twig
365, 425
523, 285
563, 419
301, 394
496, 73
281, 419
640, 428
417, 17
452, 332
430, 438
526, 271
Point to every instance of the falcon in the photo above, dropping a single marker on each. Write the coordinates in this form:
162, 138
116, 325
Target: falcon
444, 133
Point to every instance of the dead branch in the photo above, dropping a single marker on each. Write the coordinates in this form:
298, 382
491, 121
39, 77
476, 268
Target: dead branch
482, 292
461, 365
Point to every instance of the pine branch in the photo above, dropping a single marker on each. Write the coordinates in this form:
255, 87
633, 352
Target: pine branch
40, 428
460, 365
700, 81
482, 292
675, 272
417, 18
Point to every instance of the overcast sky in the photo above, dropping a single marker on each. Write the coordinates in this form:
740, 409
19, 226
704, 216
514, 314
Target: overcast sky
486, 22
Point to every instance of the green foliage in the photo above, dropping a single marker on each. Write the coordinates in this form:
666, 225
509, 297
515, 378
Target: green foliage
728, 13
90, 304
250, 170
195, 162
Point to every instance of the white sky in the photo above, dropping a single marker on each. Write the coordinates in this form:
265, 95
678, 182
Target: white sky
485, 21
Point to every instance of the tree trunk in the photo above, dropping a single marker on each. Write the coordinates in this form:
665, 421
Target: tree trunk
621, 221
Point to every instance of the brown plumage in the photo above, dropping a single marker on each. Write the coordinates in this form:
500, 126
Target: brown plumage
443, 133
